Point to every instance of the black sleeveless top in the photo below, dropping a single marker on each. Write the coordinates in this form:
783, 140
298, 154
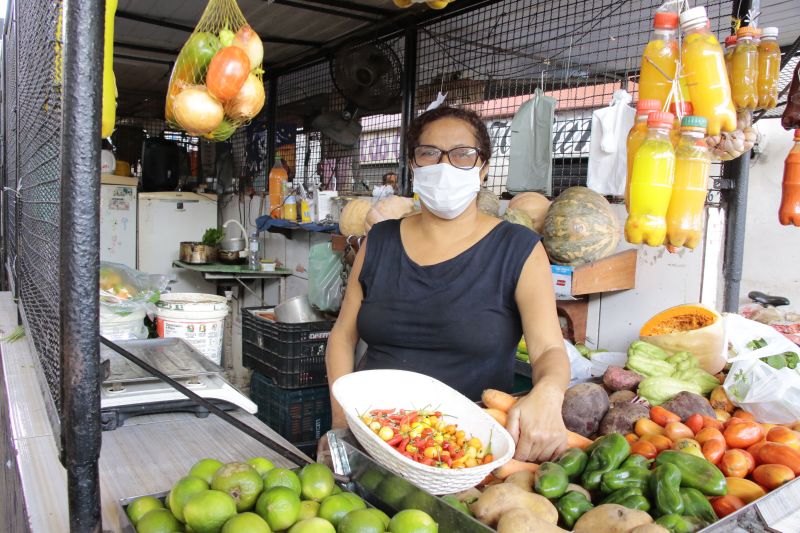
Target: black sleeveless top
456, 321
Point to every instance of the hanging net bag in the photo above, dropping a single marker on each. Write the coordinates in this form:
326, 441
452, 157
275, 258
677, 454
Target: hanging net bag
216, 84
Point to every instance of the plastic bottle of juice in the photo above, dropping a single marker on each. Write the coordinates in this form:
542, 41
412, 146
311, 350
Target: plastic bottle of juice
289, 205
692, 165
730, 45
769, 68
704, 70
277, 177
684, 109
744, 78
636, 138
651, 183
789, 212
661, 53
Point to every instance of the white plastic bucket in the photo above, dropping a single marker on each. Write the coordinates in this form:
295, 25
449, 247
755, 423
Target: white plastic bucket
197, 318
116, 327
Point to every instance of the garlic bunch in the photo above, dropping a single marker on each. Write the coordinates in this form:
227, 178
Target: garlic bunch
728, 146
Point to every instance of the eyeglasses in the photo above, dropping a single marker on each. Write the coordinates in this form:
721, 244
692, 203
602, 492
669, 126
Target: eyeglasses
463, 157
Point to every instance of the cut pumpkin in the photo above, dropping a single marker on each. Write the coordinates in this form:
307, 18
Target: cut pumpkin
692, 328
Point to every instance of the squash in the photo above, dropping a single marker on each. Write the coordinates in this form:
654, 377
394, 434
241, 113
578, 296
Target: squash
353, 217
580, 227
534, 205
518, 216
488, 203
391, 207
692, 328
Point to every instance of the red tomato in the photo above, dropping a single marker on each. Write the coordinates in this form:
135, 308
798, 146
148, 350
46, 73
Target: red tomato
695, 423
725, 505
662, 417
736, 463
713, 450
784, 435
644, 448
754, 450
772, 476
707, 434
743, 433
711, 422
744, 415
227, 72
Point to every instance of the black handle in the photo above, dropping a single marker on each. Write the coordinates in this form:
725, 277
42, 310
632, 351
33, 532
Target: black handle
766, 299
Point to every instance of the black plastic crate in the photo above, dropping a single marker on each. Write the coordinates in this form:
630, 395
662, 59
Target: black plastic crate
300, 415
292, 354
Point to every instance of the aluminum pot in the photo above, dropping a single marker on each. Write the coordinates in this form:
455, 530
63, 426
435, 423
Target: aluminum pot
197, 253
297, 310
235, 244
229, 257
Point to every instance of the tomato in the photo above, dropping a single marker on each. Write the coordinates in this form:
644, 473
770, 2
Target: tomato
744, 415
659, 441
707, 434
736, 463
713, 450
631, 438
725, 505
772, 476
711, 422
784, 435
227, 72
754, 451
744, 489
722, 416
645, 426
743, 433
662, 416
195, 56
676, 431
781, 454
695, 423
644, 448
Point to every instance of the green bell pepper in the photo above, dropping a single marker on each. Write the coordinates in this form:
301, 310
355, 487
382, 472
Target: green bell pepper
676, 523
550, 480
697, 505
632, 498
573, 461
607, 454
571, 506
696, 473
624, 478
665, 484
637, 460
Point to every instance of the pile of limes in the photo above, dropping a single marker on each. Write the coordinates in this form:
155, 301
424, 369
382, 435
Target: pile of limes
258, 497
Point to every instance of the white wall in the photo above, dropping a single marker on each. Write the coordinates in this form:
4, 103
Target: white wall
771, 251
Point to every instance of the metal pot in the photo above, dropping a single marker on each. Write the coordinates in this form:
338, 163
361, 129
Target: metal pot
229, 257
297, 310
235, 244
197, 253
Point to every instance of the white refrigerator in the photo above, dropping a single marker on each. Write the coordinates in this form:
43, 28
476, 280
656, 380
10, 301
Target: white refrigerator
118, 219
165, 220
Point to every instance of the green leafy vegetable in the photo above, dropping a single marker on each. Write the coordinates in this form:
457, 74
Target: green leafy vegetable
213, 236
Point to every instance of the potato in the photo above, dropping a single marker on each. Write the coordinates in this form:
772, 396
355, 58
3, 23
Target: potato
584, 407
577, 488
525, 521
611, 518
649, 528
621, 418
498, 500
685, 404
523, 479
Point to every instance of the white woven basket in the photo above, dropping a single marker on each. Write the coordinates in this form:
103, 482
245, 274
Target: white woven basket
360, 392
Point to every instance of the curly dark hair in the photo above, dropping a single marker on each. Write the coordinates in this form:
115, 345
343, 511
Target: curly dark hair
419, 124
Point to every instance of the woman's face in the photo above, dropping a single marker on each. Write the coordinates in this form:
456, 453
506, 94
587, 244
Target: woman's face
448, 133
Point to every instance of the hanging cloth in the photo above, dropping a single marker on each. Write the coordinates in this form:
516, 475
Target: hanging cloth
530, 166
607, 146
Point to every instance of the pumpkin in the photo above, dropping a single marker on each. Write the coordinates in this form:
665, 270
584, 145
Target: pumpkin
580, 227
518, 216
535, 205
692, 328
391, 207
353, 217
488, 202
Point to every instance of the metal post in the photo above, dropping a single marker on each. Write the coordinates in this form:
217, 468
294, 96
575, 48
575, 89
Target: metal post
409, 88
272, 122
80, 259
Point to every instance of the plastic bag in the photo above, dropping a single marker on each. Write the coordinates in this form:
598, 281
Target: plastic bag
124, 290
580, 367
216, 84
325, 284
772, 395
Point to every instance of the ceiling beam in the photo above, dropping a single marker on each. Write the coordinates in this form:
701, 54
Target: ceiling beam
355, 6
326, 10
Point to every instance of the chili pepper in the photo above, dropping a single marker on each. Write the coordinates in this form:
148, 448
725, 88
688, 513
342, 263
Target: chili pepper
574, 462
571, 506
403, 444
428, 462
696, 505
623, 478
637, 460
406, 454
665, 483
695, 472
380, 412
676, 523
550, 480
607, 454
394, 441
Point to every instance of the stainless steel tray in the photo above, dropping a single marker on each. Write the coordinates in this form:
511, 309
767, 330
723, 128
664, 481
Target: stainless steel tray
174, 357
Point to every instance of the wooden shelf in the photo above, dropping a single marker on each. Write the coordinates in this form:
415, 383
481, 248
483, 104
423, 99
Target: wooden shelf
614, 273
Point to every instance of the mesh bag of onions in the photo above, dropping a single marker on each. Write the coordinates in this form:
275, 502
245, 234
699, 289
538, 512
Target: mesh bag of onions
216, 84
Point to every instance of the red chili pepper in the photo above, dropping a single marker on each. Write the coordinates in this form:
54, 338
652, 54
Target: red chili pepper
437, 414
403, 444
418, 457
378, 412
428, 462
394, 440
395, 418
406, 454
458, 455
445, 445
448, 460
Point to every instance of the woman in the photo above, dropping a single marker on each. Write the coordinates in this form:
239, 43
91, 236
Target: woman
450, 291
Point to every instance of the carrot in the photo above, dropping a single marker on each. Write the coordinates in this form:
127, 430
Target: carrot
574, 440
514, 466
498, 415
495, 399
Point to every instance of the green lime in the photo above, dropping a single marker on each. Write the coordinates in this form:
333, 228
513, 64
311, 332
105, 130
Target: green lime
355, 499
313, 525
282, 477
393, 491
337, 489
158, 521
246, 523
412, 521
141, 506
308, 509
361, 521
334, 508
380, 514
371, 479
279, 506
241, 481
261, 465
205, 469
317, 481
207, 512
184, 489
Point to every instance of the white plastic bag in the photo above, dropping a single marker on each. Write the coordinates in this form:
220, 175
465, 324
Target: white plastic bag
771, 395
580, 367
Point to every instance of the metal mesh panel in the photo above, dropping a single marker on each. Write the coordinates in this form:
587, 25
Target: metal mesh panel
38, 139
10, 146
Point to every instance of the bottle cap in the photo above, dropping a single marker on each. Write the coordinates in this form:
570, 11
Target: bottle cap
694, 121
685, 108
745, 31
665, 20
660, 119
693, 17
770, 31
645, 107
730, 40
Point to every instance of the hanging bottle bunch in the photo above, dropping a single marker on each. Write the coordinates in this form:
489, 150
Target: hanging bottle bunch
433, 4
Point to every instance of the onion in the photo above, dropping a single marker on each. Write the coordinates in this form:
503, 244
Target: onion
248, 102
197, 111
250, 42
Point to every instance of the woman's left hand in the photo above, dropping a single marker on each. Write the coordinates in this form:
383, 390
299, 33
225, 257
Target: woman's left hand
536, 425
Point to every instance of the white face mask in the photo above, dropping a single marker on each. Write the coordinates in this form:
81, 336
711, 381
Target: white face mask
446, 190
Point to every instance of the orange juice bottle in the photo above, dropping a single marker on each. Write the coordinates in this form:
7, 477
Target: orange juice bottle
636, 138
277, 178
692, 165
744, 78
769, 68
683, 110
704, 70
659, 59
789, 212
730, 45
651, 183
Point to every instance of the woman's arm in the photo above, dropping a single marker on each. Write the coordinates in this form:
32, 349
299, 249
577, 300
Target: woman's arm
535, 421
340, 353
